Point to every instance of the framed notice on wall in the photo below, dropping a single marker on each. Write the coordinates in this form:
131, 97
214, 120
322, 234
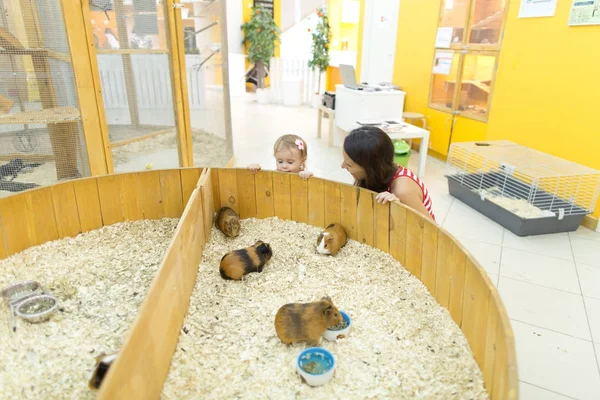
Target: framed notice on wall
267, 4
585, 12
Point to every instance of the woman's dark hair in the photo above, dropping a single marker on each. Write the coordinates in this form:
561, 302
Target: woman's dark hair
373, 150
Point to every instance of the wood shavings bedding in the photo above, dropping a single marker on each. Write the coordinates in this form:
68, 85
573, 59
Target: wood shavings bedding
402, 343
520, 207
100, 279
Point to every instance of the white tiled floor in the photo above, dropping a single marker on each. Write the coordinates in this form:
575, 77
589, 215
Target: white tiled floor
550, 284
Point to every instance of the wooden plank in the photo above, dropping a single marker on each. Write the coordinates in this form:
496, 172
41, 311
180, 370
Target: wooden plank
208, 208
349, 207
246, 188
282, 195
130, 197
475, 306
3, 249
228, 189
263, 182
152, 340
382, 226
442, 274
429, 256
215, 186
457, 282
172, 197
88, 204
316, 202
189, 181
15, 223
398, 232
333, 203
109, 192
65, 209
41, 215
299, 195
150, 192
491, 331
499, 385
505, 384
365, 217
414, 242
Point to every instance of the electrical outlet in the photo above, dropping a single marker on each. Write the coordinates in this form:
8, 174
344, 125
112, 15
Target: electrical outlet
510, 169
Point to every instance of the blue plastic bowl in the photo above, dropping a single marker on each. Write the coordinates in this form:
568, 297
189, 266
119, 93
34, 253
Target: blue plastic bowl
332, 335
323, 368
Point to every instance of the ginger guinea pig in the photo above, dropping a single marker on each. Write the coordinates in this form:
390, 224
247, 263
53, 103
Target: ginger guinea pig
103, 363
332, 239
237, 263
298, 322
228, 222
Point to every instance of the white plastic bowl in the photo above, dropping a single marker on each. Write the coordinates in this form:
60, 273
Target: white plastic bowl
332, 335
324, 359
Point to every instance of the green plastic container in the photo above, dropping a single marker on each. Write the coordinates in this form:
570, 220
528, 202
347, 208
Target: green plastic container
401, 152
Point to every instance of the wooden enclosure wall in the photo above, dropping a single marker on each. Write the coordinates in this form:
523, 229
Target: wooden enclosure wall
66, 209
450, 273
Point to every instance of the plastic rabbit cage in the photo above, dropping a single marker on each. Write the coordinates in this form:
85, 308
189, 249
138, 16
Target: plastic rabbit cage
526, 191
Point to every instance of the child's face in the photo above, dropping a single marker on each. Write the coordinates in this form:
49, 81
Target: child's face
355, 170
288, 159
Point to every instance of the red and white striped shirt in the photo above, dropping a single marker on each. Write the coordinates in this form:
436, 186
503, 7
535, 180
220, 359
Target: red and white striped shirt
408, 173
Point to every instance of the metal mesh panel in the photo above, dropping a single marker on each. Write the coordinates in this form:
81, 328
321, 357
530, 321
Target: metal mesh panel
525, 179
205, 31
41, 138
131, 38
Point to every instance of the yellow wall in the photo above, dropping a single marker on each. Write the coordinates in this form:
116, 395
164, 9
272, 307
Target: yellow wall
547, 85
339, 29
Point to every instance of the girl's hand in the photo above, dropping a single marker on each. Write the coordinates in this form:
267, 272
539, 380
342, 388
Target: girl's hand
305, 174
254, 168
385, 197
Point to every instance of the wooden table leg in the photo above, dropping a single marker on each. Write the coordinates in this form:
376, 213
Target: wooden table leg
319, 120
331, 125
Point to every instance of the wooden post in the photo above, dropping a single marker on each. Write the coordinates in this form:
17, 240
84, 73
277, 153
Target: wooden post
127, 65
179, 84
87, 82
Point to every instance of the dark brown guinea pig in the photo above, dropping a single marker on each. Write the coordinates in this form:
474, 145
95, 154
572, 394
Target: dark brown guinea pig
237, 263
306, 322
228, 222
103, 363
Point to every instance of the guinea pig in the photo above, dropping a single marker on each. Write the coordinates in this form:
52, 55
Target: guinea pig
103, 363
228, 222
298, 322
332, 239
237, 263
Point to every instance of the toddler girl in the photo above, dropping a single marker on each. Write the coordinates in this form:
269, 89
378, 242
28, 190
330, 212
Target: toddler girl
290, 153
369, 157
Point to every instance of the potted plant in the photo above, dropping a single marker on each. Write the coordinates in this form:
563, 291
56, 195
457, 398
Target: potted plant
320, 51
260, 34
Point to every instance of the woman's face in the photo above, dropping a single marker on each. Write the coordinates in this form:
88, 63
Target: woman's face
355, 170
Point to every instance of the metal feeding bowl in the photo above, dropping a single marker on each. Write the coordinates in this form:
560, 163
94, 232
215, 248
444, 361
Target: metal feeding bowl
37, 308
14, 293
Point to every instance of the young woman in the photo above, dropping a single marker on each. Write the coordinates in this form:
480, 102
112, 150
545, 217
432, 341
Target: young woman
369, 157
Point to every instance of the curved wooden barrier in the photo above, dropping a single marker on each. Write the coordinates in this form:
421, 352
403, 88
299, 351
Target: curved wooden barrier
429, 252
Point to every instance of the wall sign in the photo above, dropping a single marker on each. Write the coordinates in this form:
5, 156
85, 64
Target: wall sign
267, 4
585, 12
537, 8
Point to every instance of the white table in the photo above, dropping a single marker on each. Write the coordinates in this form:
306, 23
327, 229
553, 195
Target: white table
360, 105
408, 131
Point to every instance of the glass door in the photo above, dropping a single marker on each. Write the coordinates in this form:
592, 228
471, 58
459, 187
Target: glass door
134, 56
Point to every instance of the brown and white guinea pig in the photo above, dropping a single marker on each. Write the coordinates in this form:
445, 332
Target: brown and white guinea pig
332, 239
228, 222
237, 263
103, 363
306, 322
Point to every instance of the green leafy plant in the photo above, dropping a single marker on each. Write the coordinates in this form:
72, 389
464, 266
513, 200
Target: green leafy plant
320, 46
260, 35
